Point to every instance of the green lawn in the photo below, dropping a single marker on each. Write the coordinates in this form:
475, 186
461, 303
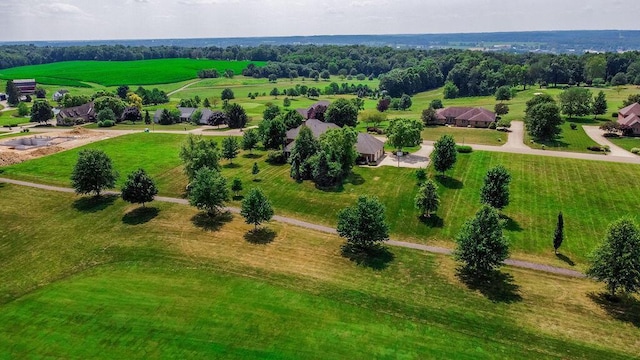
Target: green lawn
626, 143
466, 135
99, 279
115, 73
8, 118
569, 139
140, 125
587, 192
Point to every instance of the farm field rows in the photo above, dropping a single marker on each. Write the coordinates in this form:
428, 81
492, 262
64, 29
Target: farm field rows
113, 280
541, 187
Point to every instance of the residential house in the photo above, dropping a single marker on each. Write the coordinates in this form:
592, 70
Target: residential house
465, 117
368, 147
25, 86
58, 95
312, 111
68, 116
630, 116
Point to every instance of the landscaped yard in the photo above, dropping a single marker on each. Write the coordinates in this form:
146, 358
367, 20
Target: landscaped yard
541, 187
568, 140
626, 143
466, 135
100, 279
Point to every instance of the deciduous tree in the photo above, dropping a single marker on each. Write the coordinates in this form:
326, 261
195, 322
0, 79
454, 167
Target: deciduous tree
93, 172
495, 191
250, 140
271, 112
236, 186
576, 101
404, 133
599, 106
139, 188
617, 261
481, 245
543, 121
208, 191
230, 148
363, 225
236, 116
256, 208
427, 200
444, 153
197, 152
41, 111
13, 95
342, 112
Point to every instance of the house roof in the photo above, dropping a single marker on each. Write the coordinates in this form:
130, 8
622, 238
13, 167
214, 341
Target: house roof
206, 114
368, 144
317, 127
84, 111
157, 115
186, 112
466, 113
24, 81
305, 111
629, 120
631, 109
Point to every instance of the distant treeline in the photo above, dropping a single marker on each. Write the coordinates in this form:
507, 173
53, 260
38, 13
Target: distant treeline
400, 70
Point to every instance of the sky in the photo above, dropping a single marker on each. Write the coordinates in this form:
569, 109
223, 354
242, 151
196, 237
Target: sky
158, 19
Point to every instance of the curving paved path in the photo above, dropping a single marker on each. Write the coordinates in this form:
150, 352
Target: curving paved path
327, 229
596, 135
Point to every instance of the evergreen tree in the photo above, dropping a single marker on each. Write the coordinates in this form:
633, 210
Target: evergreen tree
236, 116
13, 95
208, 191
147, 117
495, 191
139, 188
444, 154
427, 200
93, 172
230, 148
617, 261
599, 106
256, 208
206, 103
255, 170
481, 246
236, 186
558, 236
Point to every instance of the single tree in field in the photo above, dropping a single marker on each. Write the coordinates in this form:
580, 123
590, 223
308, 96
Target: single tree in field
147, 117
436, 104
617, 261
342, 112
481, 246
227, 94
256, 208
503, 93
429, 116
383, 104
208, 191
255, 170
139, 188
404, 133
93, 172
427, 200
274, 92
197, 152
558, 236
363, 225
122, 91
236, 116
230, 148
405, 102
501, 109
236, 186
576, 101
41, 111
13, 95
444, 153
23, 109
543, 120
599, 106
250, 140
495, 191
206, 103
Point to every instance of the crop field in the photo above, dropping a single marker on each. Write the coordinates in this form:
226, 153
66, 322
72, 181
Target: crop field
541, 187
115, 73
104, 279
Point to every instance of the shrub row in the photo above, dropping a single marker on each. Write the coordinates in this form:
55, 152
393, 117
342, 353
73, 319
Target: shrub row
464, 149
106, 123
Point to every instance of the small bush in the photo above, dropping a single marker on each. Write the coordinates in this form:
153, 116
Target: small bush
614, 115
421, 175
375, 130
595, 148
276, 157
492, 126
606, 148
464, 149
573, 126
106, 123
25, 130
635, 151
611, 135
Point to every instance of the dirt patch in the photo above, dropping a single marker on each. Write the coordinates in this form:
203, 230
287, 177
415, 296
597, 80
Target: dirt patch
78, 137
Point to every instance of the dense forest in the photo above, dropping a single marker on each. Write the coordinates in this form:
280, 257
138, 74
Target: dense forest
401, 71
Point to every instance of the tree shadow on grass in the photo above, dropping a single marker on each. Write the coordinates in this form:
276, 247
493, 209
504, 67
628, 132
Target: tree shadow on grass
510, 224
449, 182
433, 221
140, 215
356, 179
338, 188
94, 203
257, 180
566, 259
496, 286
624, 308
252, 156
211, 223
238, 197
231, 166
260, 236
377, 258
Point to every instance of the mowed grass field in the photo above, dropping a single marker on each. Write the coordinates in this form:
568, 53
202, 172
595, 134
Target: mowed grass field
102, 279
115, 73
590, 194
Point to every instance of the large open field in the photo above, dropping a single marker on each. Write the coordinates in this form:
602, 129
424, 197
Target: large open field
114, 73
100, 279
590, 194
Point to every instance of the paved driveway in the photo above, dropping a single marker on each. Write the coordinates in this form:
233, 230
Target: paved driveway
419, 159
596, 134
516, 136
